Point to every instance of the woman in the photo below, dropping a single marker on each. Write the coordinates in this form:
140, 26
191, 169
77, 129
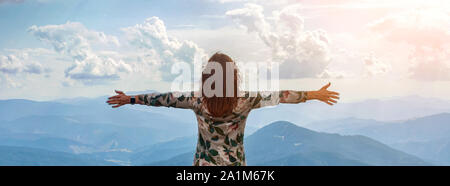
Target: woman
221, 119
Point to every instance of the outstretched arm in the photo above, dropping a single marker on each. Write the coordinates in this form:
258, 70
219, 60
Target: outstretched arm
291, 96
169, 99
324, 95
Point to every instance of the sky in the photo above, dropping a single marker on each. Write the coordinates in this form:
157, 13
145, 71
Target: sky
367, 49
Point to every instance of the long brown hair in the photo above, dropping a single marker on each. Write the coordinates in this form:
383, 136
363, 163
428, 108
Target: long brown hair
221, 106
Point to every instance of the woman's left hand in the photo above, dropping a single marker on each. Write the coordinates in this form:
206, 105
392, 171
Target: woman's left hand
324, 95
118, 100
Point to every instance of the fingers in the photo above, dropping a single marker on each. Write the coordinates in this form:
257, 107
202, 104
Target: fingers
335, 97
328, 97
119, 92
113, 102
333, 93
113, 97
116, 97
332, 101
118, 105
328, 101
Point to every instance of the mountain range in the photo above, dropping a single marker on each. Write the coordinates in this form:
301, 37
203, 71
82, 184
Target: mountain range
89, 129
24, 156
427, 137
284, 143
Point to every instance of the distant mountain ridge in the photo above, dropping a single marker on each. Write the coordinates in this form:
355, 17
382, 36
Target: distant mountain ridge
135, 135
285, 139
395, 109
284, 143
20, 156
427, 137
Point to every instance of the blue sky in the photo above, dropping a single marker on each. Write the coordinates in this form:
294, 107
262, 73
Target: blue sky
105, 15
51, 49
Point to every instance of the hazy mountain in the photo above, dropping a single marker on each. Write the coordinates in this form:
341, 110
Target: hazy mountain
184, 159
436, 151
136, 135
427, 137
93, 122
137, 115
51, 144
314, 158
427, 128
97, 111
283, 143
116, 156
87, 125
20, 156
163, 151
394, 109
102, 136
283, 140
17, 108
342, 126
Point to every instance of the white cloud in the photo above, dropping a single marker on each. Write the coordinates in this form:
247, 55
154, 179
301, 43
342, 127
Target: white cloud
421, 28
91, 65
230, 40
19, 63
95, 67
165, 50
374, 67
327, 74
77, 42
427, 31
301, 53
6, 81
71, 38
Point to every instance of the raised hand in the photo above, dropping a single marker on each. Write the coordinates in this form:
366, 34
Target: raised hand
118, 100
324, 95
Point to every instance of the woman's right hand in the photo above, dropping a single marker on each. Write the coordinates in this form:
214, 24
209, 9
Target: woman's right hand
118, 100
324, 95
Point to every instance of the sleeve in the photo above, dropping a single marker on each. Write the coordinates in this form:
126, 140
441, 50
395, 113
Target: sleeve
169, 99
272, 98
